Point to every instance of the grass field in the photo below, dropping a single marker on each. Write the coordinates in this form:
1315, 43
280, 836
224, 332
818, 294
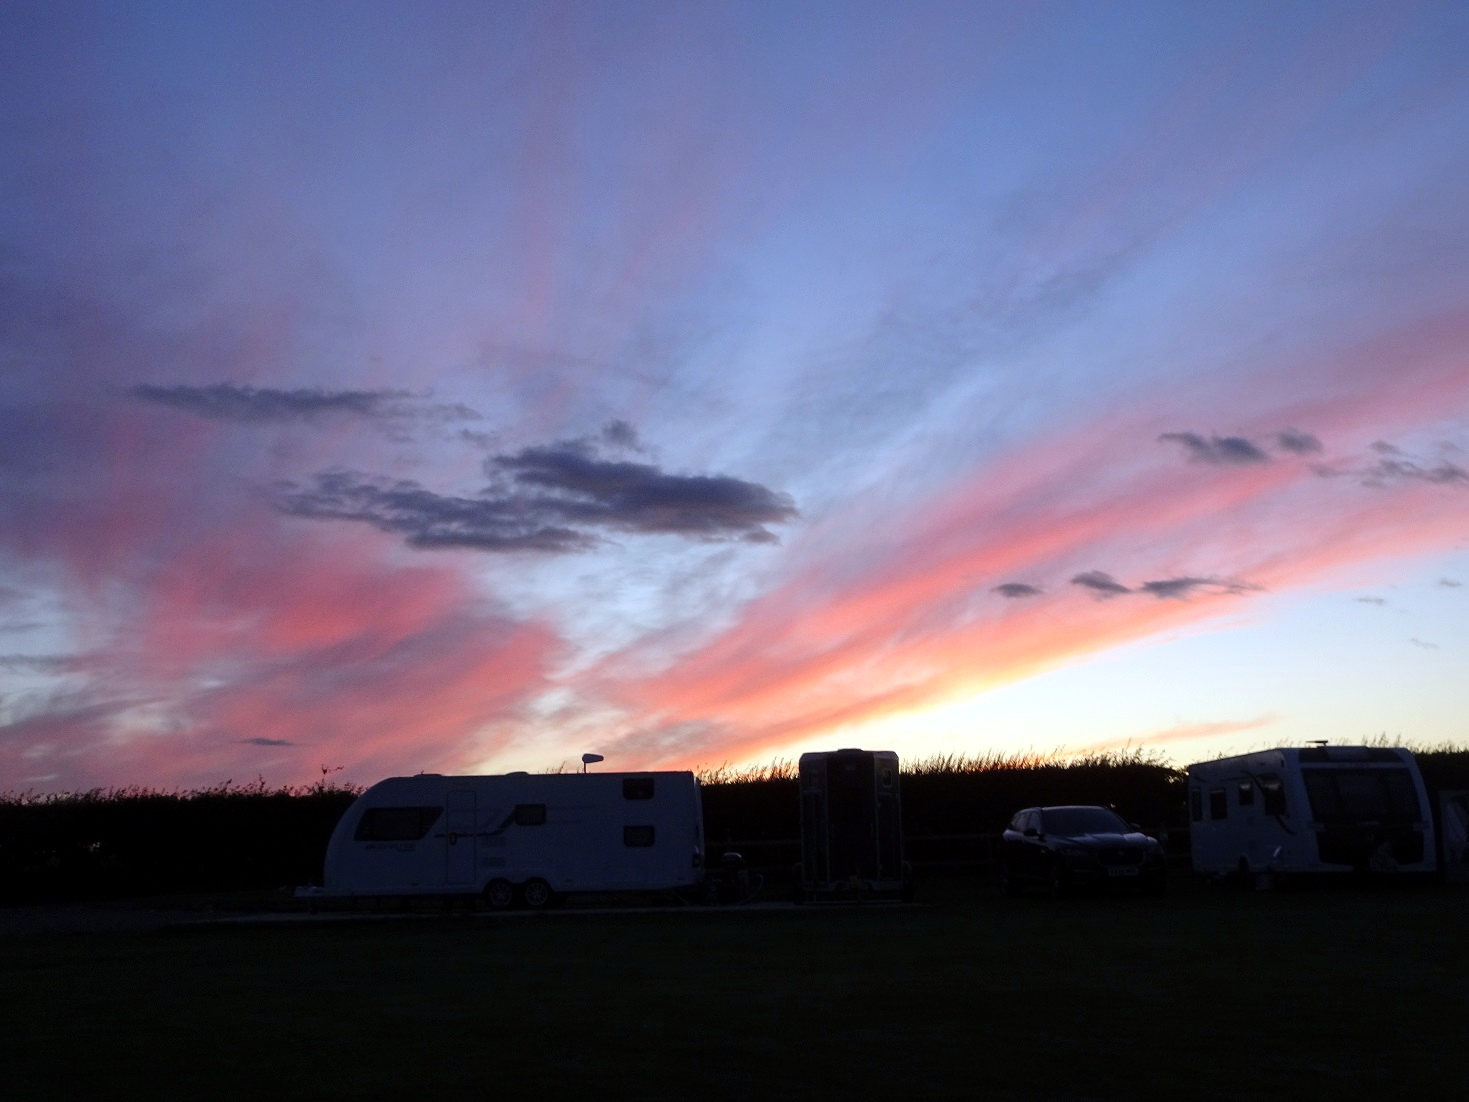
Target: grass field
1206, 994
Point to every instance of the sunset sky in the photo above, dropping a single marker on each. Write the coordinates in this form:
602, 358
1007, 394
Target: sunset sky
462, 387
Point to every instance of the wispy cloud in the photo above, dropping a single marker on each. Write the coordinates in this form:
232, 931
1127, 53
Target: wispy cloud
1394, 466
1391, 470
311, 643
1184, 732
38, 663
228, 402
428, 519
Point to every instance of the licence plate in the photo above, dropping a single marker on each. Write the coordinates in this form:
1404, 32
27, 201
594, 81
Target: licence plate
1122, 870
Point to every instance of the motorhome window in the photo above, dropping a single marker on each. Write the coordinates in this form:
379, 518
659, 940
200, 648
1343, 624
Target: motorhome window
1218, 804
1358, 795
396, 824
530, 815
1196, 804
1246, 794
637, 788
637, 836
886, 777
1272, 794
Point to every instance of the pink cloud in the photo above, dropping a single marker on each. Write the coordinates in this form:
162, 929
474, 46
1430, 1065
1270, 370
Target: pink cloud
202, 622
918, 623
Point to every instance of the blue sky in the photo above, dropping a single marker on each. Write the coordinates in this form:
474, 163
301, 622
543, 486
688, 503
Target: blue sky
465, 387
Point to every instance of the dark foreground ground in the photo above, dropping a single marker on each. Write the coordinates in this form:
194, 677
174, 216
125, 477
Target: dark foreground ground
1204, 994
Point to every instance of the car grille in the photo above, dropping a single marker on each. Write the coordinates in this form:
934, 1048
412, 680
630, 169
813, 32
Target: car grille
1122, 857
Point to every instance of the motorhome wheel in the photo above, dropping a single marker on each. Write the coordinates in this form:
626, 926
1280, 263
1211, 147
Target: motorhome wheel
536, 893
499, 894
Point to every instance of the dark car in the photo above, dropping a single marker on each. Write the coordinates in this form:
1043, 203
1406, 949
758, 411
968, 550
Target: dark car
1066, 848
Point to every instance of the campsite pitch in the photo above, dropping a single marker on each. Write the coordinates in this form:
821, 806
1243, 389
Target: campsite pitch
1347, 993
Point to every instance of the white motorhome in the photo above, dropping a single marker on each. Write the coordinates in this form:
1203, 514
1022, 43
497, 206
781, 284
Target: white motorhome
519, 838
1317, 809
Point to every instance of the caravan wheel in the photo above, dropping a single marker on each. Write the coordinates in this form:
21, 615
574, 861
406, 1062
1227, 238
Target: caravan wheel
536, 893
499, 894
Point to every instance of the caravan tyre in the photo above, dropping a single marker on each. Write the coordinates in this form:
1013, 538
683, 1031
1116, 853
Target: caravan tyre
536, 893
499, 894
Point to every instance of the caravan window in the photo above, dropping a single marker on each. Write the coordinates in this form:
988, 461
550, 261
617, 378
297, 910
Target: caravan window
530, 815
396, 824
1246, 794
637, 788
1218, 803
1358, 795
637, 835
1272, 794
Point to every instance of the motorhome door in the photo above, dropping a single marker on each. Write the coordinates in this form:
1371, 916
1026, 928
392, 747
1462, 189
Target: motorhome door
460, 826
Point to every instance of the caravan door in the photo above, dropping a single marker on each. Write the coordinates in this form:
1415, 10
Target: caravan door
460, 825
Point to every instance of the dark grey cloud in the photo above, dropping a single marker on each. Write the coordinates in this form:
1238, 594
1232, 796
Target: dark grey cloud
573, 483
620, 434
1185, 587
1423, 644
1450, 583
1017, 589
1297, 442
1219, 451
1103, 585
562, 497
228, 402
260, 741
1371, 601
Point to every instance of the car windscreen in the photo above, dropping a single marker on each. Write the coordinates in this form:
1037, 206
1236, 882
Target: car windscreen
1082, 820
1361, 795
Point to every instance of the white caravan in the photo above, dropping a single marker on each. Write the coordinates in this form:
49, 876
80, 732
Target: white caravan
519, 838
1319, 809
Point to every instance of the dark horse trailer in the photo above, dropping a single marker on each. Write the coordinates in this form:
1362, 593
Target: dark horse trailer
852, 826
